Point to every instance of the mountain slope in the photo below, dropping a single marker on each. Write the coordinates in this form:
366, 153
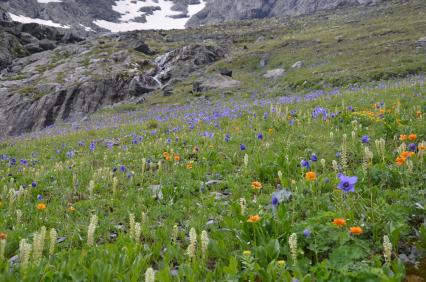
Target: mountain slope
320, 51
124, 15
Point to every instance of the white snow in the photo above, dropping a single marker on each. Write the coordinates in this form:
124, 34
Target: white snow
48, 1
24, 19
160, 19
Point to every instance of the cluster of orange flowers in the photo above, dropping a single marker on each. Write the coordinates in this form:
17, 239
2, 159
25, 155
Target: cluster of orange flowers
167, 156
41, 206
411, 137
340, 222
3, 236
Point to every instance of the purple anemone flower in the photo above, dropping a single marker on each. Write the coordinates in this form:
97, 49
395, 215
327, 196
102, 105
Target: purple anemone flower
260, 136
305, 163
307, 233
314, 158
242, 147
412, 147
347, 183
365, 139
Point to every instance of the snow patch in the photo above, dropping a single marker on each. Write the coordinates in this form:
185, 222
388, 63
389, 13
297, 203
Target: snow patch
24, 19
160, 19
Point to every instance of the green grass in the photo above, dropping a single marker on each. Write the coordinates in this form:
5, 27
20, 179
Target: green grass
388, 199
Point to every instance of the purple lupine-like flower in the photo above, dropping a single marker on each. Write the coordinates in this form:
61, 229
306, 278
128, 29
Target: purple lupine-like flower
291, 122
260, 136
314, 158
305, 163
347, 183
412, 147
242, 147
123, 168
307, 233
114, 169
39, 197
365, 139
23, 162
227, 137
12, 161
350, 108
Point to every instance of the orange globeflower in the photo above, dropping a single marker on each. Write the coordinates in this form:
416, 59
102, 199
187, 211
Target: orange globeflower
412, 137
41, 206
339, 222
3, 236
71, 209
422, 147
310, 176
256, 185
402, 137
400, 161
176, 157
254, 218
407, 154
356, 230
189, 166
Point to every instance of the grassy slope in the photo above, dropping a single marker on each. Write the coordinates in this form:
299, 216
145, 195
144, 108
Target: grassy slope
383, 204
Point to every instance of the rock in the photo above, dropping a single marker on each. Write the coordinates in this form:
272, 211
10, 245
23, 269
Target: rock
274, 73
339, 38
4, 15
226, 72
421, 43
297, 65
263, 62
140, 85
143, 48
215, 82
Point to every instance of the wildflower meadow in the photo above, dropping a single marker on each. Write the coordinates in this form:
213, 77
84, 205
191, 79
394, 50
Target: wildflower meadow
326, 186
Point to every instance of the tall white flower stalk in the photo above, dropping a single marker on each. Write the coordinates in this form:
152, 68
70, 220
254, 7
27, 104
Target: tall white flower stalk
91, 230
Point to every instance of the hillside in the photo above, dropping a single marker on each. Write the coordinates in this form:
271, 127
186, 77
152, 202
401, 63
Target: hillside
68, 82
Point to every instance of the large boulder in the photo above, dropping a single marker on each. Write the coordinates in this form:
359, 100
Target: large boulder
421, 42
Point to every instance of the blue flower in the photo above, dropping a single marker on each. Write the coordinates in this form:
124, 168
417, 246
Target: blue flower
123, 168
92, 146
314, 158
305, 163
275, 201
412, 147
365, 139
307, 233
39, 197
260, 136
242, 147
34, 184
347, 183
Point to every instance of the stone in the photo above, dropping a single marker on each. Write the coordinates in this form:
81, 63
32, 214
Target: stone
297, 65
276, 73
214, 82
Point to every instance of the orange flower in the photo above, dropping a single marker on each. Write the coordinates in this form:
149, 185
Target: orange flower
189, 166
407, 154
254, 218
166, 156
356, 230
412, 137
176, 157
256, 185
339, 222
400, 161
402, 137
310, 176
422, 147
41, 206
3, 236
270, 131
71, 209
